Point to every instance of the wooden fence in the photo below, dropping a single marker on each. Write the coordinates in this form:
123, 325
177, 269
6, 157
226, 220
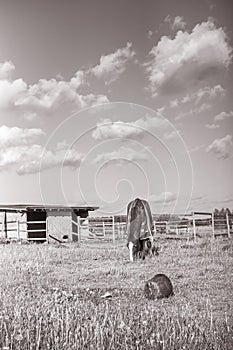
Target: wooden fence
17, 229
110, 230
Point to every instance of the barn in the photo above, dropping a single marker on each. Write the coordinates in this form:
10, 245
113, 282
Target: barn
42, 222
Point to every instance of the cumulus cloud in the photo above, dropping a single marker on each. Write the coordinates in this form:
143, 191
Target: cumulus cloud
19, 152
33, 159
212, 126
171, 135
123, 153
223, 147
14, 136
149, 34
11, 92
111, 66
188, 58
6, 69
176, 22
45, 95
194, 111
223, 115
164, 197
196, 148
206, 92
37, 159
107, 129
51, 94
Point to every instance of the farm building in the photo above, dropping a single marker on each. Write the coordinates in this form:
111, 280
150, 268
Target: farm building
42, 222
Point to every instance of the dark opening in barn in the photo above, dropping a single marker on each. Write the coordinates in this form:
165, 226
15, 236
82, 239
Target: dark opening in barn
36, 225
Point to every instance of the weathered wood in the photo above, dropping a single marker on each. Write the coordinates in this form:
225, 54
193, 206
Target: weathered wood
228, 226
213, 235
56, 239
202, 213
194, 227
18, 229
113, 230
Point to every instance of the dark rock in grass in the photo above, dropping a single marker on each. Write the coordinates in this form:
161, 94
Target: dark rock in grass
158, 287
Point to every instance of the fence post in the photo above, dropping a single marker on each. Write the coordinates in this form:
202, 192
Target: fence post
194, 227
213, 235
154, 224
104, 229
79, 229
47, 229
228, 225
2, 228
177, 231
5, 224
113, 229
17, 228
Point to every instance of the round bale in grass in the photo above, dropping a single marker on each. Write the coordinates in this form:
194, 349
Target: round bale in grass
158, 287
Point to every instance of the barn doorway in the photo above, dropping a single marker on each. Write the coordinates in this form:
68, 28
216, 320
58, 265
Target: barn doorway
36, 226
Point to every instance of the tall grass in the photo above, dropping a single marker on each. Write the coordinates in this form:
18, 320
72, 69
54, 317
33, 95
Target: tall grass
53, 298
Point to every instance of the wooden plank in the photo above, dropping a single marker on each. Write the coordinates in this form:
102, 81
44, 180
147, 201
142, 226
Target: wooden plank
170, 236
228, 226
39, 230
113, 229
202, 213
56, 239
36, 239
212, 225
194, 227
218, 233
18, 230
46, 229
33, 222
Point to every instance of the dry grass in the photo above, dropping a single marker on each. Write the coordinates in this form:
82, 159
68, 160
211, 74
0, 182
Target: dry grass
51, 297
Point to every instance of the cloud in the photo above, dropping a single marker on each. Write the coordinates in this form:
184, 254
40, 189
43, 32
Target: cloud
174, 103
212, 126
195, 148
171, 135
111, 66
107, 129
164, 197
45, 95
33, 159
149, 34
198, 96
206, 92
14, 136
48, 95
37, 159
223, 115
176, 23
51, 94
19, 152
11, 92
123, 153
6, 69
194, 111
179, 63
222, 147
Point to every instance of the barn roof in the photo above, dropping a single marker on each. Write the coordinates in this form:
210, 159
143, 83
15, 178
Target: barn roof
43, 207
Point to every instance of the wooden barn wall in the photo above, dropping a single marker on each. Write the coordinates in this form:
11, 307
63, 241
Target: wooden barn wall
59, 224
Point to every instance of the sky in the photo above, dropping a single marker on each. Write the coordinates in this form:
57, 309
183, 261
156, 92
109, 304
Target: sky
105, 101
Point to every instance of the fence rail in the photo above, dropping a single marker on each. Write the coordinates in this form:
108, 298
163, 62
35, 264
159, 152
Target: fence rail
89, 229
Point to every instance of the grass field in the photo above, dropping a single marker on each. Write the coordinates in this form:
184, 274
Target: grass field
52, 297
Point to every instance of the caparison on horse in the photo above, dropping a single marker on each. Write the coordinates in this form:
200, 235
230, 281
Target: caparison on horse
139, 229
